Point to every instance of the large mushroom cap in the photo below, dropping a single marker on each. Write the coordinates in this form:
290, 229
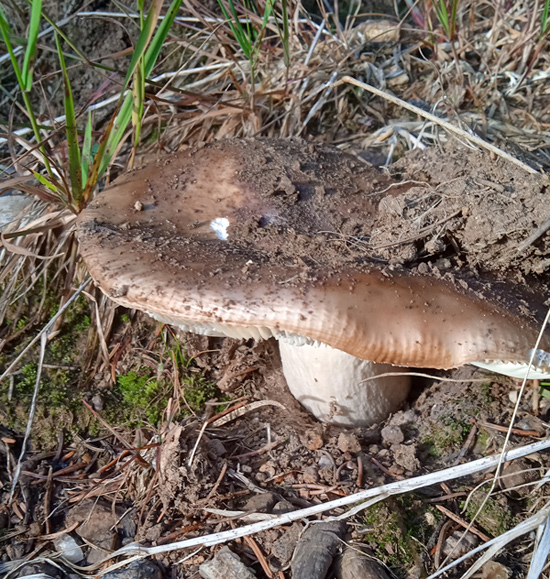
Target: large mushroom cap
232, 238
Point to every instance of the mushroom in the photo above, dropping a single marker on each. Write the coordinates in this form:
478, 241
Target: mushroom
242, 238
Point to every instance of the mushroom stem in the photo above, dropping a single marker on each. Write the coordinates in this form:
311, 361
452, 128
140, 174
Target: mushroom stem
339, 388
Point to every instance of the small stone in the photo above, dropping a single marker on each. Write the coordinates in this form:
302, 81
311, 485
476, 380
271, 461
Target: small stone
97, 402
261, 503
325, 462
405, 456
354, 563
40, 569
495, 570
396, 470
283, 507
225, 565
268, 468
443, 264
392, 435
312, 440
311, 475
216, 448
457, 544
154, 533
100, 525
35, 529
283, 547
433, 246
403, 417
68, 548
144, 569
516, 476
348, 442
423, 268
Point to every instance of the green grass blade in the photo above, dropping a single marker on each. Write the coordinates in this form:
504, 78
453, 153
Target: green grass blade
286, 34
236, 26
267, 14
544, 25
99, 159
34, 28
138, 97
119, 127
144, 38
443, 15
47, 183
160, 36
87, 148
454, 10
125, 114
6, 34
75, 168
269, 5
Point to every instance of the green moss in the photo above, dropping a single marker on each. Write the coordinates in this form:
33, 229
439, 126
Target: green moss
145, 397
482, 439
197, 391
388, 536
142, 394
495, 518
447, 434
486, 395
399, 529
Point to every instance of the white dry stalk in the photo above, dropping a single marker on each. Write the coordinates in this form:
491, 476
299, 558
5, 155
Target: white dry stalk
542, 547
395, 488
43, 344
493, 546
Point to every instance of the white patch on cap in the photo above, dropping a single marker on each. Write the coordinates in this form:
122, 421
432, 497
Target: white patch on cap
219, 227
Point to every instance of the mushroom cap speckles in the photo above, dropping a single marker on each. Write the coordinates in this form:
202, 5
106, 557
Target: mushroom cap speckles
203, 237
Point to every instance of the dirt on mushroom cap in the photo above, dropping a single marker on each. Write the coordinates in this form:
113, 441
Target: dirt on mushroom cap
304, 219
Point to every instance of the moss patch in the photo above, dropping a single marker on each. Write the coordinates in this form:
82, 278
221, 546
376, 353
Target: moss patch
399, 529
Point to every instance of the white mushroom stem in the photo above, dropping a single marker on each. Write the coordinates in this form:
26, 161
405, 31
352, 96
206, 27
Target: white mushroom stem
339, 388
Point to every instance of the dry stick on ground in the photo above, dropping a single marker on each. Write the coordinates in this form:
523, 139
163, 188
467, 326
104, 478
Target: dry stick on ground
462, 523
434, 119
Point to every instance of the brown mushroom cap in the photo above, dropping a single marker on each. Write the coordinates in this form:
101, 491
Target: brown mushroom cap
152, 242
